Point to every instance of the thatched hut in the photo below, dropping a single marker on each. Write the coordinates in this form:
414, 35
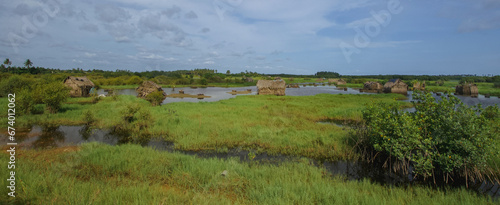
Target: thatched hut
271, 87
467, 89
80, 86
396, 86
372, 86
419, 86
337, 81
148, 87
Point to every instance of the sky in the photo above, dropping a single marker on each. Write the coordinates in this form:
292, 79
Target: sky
355, 37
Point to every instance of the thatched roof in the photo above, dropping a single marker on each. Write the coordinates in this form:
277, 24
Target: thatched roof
146, 88
79, 81
337, 81
80, 86
396, 86
467, 89
370, 85
271, 87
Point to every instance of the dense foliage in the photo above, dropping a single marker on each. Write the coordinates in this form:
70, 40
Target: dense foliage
54, 94
445, 137
134, 126
156, 98
48, 90
327, 74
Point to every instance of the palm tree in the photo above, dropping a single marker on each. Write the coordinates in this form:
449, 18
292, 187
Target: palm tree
28, 63
7, 62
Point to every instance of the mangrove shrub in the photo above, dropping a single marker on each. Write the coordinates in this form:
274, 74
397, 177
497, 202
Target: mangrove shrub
53, 95
155, 98
442, 136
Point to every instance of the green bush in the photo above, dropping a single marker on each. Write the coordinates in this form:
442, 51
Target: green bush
134, 80
13, 84
135, 124
89, 118
25, 101
204, 81
496, 85
439, 83
53, 95
156, 98
439, 137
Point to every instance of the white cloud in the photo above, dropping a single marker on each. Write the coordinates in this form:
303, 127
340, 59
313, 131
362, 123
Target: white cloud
90, 54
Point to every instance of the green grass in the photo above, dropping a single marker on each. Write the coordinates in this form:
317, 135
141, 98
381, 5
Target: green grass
232, 85
449, 86
487, 88
286, 125
129, 174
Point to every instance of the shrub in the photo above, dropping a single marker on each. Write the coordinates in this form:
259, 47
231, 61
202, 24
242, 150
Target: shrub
446, 136
204, 81
89, 118
13, 84
135, 125
439, 83
134, 80
156, 98
129, 112
496, 85
25, 102
53, 95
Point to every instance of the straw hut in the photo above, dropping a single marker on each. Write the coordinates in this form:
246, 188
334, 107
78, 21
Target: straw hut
337, 81
396, 86
249, 80
467, 89
419, 86
372, 86
146, 88
271, 87
80, 86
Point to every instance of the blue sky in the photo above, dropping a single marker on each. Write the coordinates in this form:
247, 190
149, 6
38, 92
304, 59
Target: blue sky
267, 36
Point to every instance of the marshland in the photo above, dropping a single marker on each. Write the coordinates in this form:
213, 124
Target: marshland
316, 144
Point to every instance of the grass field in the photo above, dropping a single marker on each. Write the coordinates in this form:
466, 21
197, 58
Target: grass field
286, 125
130, 174
449, 86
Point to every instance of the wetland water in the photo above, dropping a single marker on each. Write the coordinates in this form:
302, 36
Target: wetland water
220, 93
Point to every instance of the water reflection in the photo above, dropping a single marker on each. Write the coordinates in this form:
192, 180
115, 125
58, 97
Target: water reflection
220, 93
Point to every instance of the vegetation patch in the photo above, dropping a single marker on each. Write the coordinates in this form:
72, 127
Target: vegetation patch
101, 174
444, 138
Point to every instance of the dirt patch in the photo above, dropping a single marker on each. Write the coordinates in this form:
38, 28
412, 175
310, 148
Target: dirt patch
234, 92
